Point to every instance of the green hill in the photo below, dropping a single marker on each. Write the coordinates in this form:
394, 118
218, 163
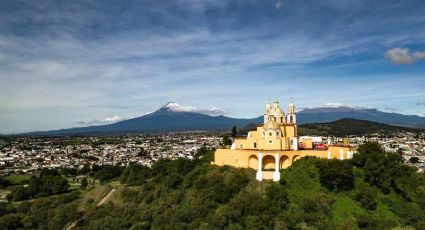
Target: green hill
348, 126
375, 190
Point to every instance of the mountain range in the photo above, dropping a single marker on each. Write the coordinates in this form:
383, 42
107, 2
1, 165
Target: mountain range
349, 126
328, 114
175, 118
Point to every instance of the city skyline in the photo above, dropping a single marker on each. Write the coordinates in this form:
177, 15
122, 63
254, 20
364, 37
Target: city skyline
80, 61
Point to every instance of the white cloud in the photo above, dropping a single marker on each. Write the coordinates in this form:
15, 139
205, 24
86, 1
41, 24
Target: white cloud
114, 118
403, 55
419, 55
106, 120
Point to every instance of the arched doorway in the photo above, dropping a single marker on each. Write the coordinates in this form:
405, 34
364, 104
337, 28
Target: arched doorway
253, 162
284, 162
268, 163
295, 158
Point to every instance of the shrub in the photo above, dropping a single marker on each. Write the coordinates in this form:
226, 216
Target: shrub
336, 175
366, 197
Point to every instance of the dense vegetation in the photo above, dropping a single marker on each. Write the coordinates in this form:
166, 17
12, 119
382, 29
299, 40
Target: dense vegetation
349, 126
375, 190
48, 183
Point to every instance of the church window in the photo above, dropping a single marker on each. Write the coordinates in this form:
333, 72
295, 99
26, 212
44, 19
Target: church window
270, 141
270, 134
255, 144
291, 119
281, 119
241, 146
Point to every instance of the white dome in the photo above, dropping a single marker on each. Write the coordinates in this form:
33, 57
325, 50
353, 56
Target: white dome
278, 112
271, 125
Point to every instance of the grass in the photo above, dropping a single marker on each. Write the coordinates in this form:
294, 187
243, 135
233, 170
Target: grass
92, 196
17, 179
74, 186
301, 182
115, 184
344, 207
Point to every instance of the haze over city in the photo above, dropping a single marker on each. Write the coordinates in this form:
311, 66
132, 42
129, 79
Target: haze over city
74, 63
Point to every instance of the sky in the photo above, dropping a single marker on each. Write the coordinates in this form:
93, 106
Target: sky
74, 63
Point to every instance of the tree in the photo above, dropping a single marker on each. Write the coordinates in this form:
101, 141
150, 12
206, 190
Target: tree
381, 169
226, 141
10, 221
201, 152
68, 171
4, 183
84, 183
234, 131
84, 170
315, 210
108, 172
18, 193
365, 150
49, 183
143, 153
370, 147
336, 175
366, 197
277, 195
135, 174
414, 160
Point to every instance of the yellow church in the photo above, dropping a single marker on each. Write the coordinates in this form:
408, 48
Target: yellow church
275, 145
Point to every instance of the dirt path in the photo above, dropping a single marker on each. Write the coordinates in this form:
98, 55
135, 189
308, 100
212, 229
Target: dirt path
104, 199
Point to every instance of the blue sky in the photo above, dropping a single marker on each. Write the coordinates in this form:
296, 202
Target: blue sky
67, 63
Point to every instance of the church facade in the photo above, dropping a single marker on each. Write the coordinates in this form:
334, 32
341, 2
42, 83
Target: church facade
275, 145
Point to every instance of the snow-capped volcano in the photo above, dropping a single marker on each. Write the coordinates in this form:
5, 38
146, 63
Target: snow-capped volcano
175, 107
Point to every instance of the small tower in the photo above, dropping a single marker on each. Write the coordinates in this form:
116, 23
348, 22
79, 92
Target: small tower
291, 116
267, 111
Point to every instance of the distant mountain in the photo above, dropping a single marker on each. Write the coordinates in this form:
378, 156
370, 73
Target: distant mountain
349, 126
328, 114
170, 118
173, 117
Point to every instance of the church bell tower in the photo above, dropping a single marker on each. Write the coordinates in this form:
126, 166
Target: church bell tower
291, 116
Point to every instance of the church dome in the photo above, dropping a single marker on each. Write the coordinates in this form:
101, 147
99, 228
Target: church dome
271, 125
278, 112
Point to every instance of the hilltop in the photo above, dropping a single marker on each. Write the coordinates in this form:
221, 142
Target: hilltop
333, 113
344, 127
375, 190
349, 126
